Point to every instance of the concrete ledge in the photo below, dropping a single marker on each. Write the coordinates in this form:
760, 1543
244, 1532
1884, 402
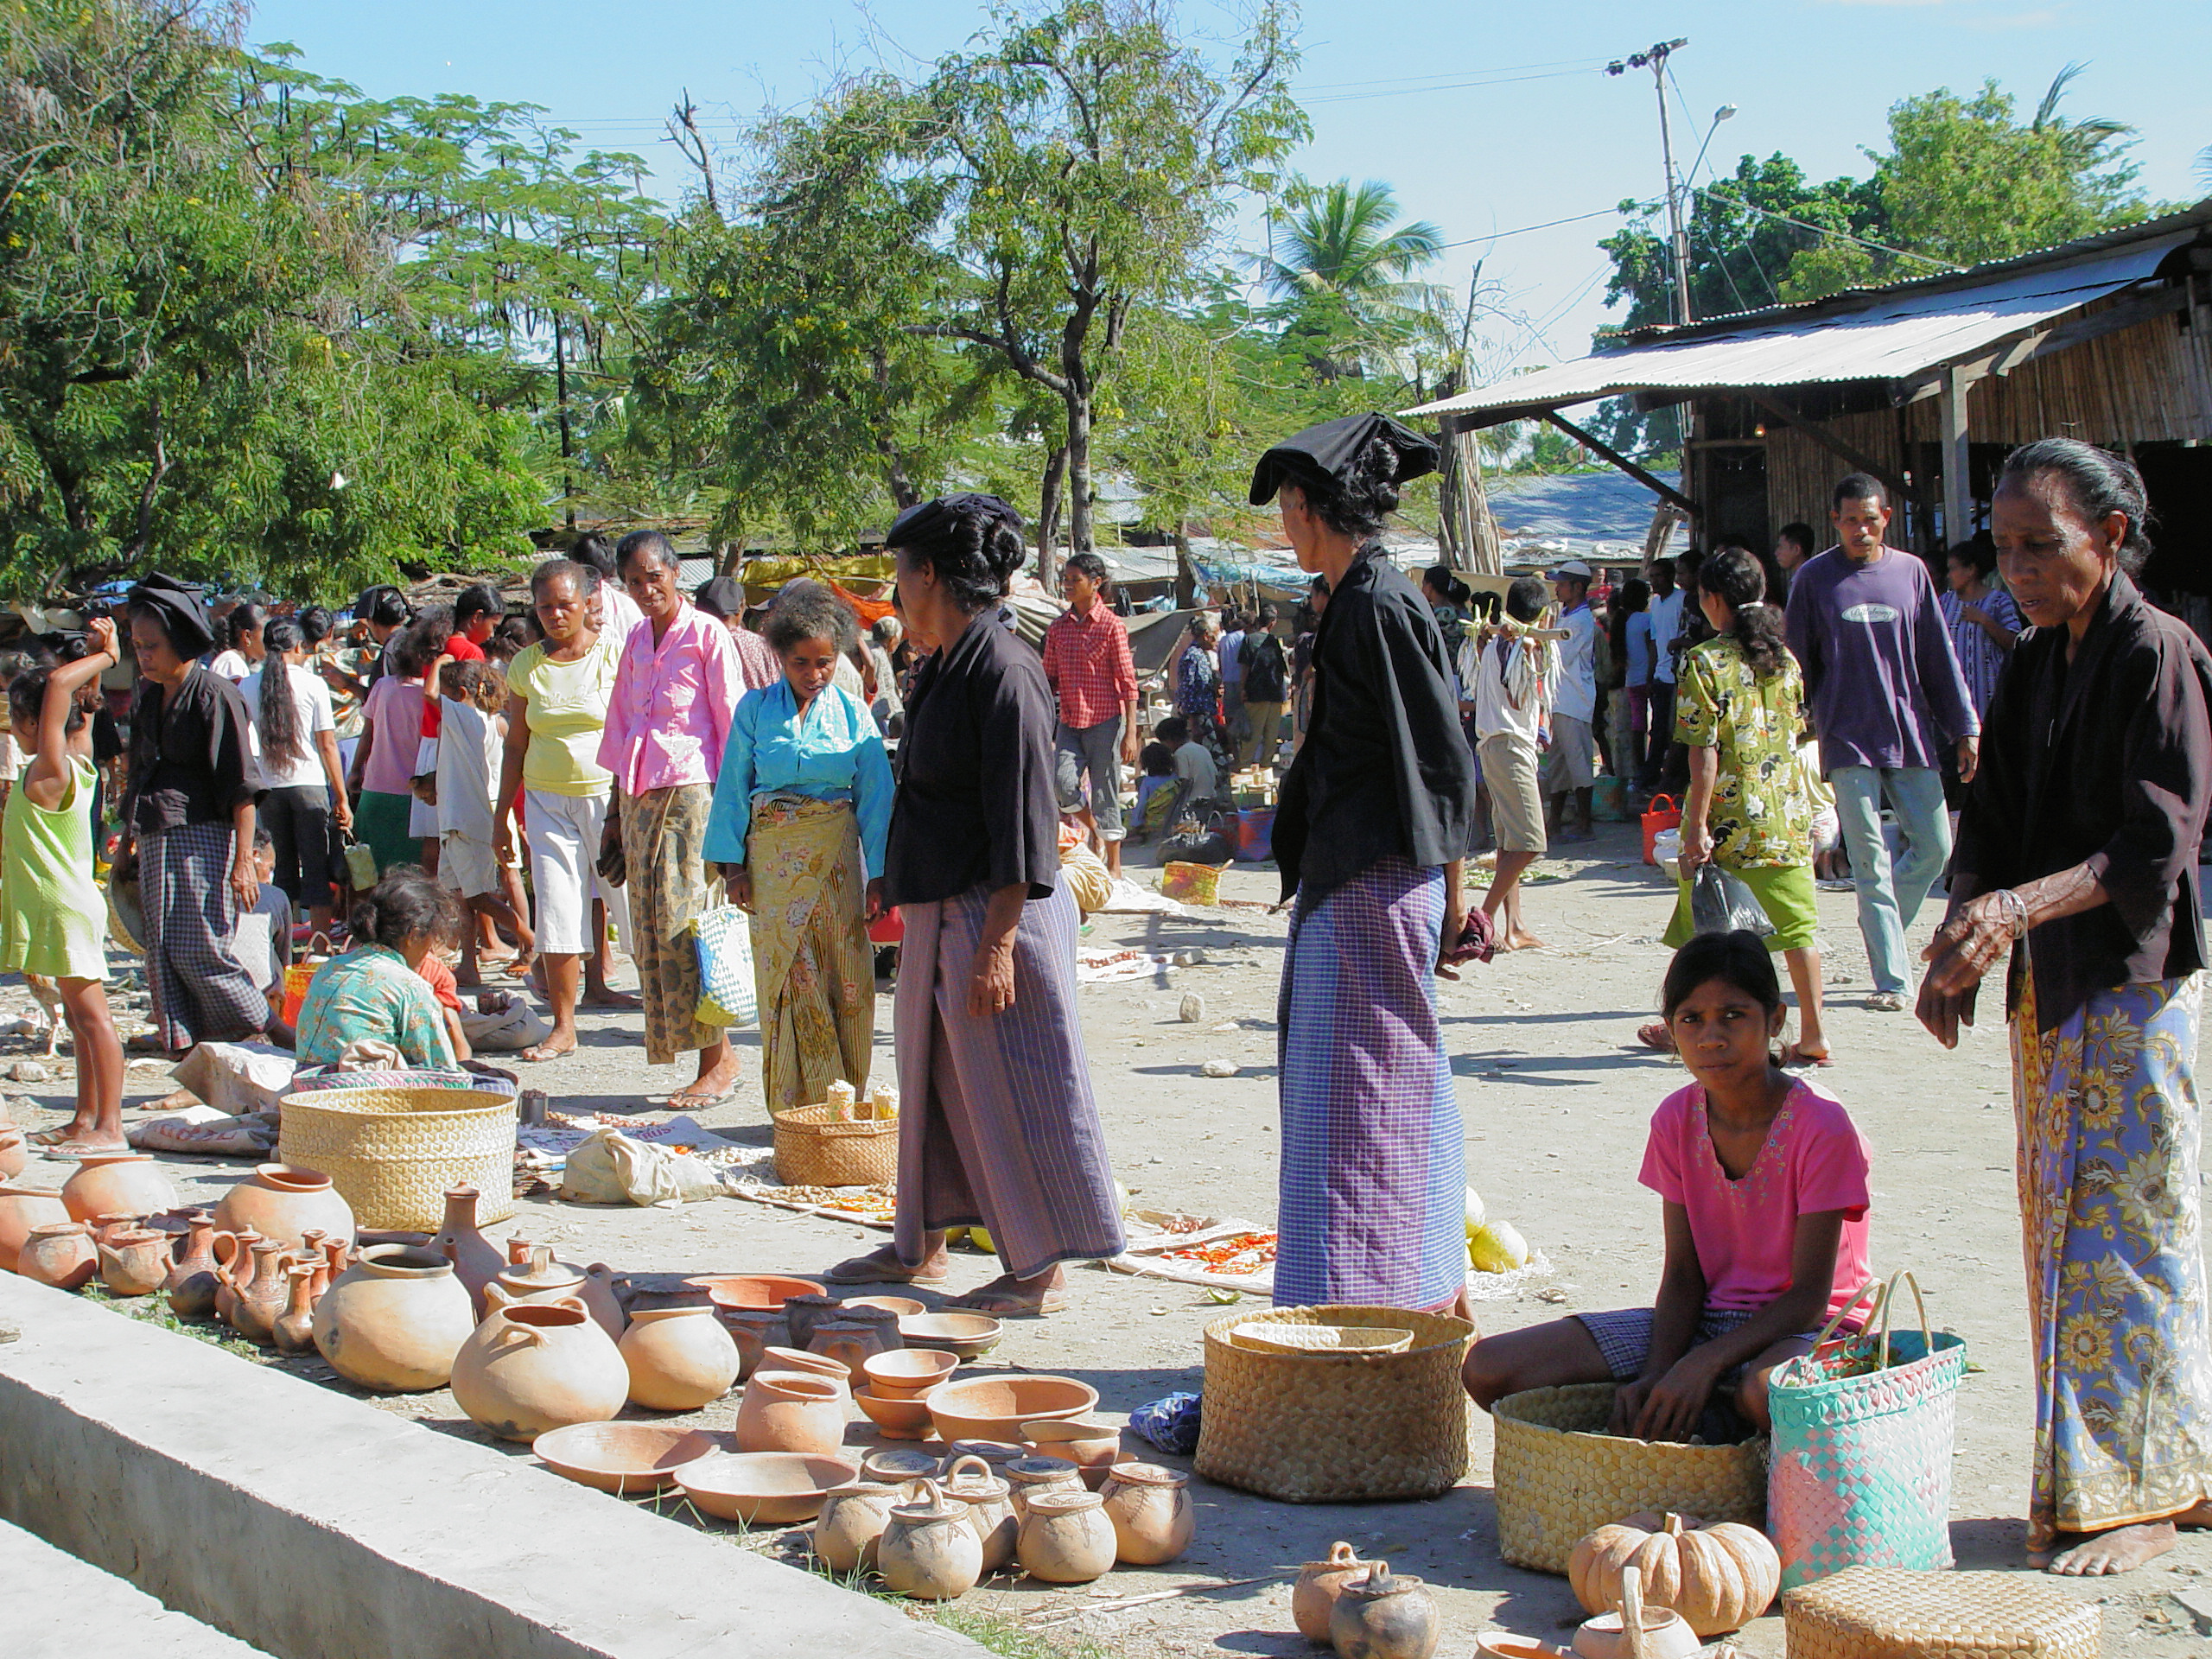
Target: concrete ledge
315, 1527
58, 1608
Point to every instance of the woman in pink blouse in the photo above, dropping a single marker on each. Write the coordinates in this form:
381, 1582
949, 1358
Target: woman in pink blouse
669, 718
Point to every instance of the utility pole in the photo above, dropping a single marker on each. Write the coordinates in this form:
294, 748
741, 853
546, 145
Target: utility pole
1678, 241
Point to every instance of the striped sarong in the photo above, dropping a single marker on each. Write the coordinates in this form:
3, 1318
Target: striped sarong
1373, 1202
200, 991
997, 1124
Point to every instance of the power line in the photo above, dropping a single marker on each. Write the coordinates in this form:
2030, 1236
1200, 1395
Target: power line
1823, 229
1523, 230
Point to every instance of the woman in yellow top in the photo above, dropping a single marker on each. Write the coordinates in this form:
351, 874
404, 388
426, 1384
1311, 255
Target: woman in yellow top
556, 707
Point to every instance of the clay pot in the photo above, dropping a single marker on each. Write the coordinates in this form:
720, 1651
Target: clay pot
1382, 1616
233, 1271
531, 1366
294, 1327
281, 1201
117, 1183
15, 1152
679, 1358
338, 1254
318, 1264
789, 1360
990, 1508
783, 1411
134, 1263
849, 1342
1065, 1536
191, 1282
752, 1329
928, 1549
476, 1260
801, 1313
22, 1208
59, 1253
894, 1466
394, 1320
547, 1281
1150, 1508
1313, 1597
1032, 1477
851, 1524
103, 1228
263, 1297
518, 1249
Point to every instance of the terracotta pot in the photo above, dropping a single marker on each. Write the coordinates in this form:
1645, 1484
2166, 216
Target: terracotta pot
990, 1508
476, 1260
789, 1360
531, 1366
518, 1251
22, 1208
318, 1264
264, 1296
1313, 1597
281, 1201
102, 1228
547, 1281
1032, 1477
849, 1342
894, 1466
15, 1152
59, 1253
752, 1329
117, 1183
338, 1254
233, 1271
1382, 1616
851, 1524
804, 1313
928, 1550
191, 1282
393, 1321
294, 1327
1150, 1508
679, 1358
1065, 1536
783, 1411
134, 1263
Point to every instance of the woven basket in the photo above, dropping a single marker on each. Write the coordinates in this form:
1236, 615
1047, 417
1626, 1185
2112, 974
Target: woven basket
1559, 1475
1279, 1338
1885, 1612
392, 1152
1336, 1425
815, 1149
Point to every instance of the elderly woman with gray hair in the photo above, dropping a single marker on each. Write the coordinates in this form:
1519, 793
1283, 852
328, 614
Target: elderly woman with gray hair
801, 813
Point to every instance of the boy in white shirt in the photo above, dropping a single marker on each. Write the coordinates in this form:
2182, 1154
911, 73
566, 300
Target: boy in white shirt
472, 737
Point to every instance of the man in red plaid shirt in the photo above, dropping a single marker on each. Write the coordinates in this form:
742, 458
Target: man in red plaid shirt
1087, 660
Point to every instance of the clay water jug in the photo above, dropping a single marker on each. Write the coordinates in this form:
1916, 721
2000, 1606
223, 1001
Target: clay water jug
393, 1321
990, 1508
281, 1201
851, 1525
476, 1260
1313, 1597
339, 1254
294, 1329
264, 1296
316, 1262
1380, 1616
135, 1263
531, 1366
1150, 1508
928, 1550
1032, 1477
22, 1208
1065, 1536
15, 1152
801, 1314
784, 1411
191, 1282
233, 1272
59, 1254
679, 1358
547, 1281
117, 1183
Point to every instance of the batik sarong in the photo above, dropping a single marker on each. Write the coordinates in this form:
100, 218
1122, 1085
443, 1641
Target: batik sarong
2106, 1104
812, 968
663, 831
997, 1124
200, 991
1372, 1205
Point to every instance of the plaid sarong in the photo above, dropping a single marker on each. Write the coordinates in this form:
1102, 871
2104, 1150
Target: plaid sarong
200, 991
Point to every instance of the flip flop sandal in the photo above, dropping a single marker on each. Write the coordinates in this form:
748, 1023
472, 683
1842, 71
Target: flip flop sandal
688, 1102
1010, 1304
845, 1274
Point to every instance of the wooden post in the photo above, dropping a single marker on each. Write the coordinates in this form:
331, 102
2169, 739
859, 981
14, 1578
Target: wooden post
1958, 483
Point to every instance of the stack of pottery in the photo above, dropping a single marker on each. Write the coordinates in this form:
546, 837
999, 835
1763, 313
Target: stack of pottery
539, 1278
394, 1321
534, 1365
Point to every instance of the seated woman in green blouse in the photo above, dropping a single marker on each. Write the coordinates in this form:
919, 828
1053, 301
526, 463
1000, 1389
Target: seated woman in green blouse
375, 990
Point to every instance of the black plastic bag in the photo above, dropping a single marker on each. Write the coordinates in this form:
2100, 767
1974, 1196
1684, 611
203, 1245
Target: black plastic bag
1720, 903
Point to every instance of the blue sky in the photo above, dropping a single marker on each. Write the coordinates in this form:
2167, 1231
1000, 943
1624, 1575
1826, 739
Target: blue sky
1487, 116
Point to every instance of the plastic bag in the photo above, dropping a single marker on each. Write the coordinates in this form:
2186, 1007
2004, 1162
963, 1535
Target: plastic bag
1720, 903
612, 1168
724, 937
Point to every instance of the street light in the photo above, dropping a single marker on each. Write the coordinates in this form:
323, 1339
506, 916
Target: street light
1726, 112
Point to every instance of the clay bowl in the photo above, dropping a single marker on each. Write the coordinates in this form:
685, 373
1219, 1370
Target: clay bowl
1497, 1644
970, 1335
908, 1373
904, 1307
765, 1290
762, 1488
995, 1407
1094, 1447
900, 1420
624, 1456
798, 1359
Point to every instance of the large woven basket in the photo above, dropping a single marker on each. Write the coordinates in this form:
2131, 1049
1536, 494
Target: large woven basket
815, 1149
1885, 1612
1559, 1475
1338, 1425
391, 1152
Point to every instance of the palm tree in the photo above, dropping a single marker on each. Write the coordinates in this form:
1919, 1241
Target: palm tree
1342, 265
2085, 142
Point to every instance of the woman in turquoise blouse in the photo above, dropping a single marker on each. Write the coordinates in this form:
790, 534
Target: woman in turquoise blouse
802, 810
375, 990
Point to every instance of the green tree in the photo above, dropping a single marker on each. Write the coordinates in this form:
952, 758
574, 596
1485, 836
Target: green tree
1344, 268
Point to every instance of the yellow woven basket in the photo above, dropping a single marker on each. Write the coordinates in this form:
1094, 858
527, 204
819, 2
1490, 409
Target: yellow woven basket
1336, 1425
1559, 1475
1883, 1612
815, 1149
392, 1152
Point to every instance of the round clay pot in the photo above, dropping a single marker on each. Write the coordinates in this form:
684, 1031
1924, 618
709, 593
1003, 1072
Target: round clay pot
134, 1263
282, 1201
1032, 1477
538, 1365
803, 1314
393, 1321
22, 1208
1382, 1616
990, 1508
1313, 1597
783, 1411
294, 1327
1065, 1536
14, 1153
752, 1329
476, 1260
928, 1549
190, 1285
117, 1183
893, 1467
851, 1524
1150, 1508
789, 1360
547, 1281
59, 1254
679, 1358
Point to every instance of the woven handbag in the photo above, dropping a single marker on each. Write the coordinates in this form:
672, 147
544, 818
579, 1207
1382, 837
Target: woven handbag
723, 935
1860, 1470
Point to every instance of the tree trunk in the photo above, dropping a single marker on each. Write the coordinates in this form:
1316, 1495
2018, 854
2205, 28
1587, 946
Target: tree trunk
561, 396
1081, 537
1048, 519
731, 555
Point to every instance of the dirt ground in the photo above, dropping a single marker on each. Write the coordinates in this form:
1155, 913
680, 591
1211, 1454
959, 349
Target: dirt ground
1556, 1097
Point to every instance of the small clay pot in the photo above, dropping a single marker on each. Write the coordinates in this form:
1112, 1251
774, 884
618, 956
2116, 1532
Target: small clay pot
1065, 1536
281, 1201
1032, 1477
852, 1342
117, 1183
533, 1366
1380, 1616
294, 1330
59, 1254
928, 1550
190, 1285
803, 1313
1150, 1508
989, 1499
22, 1208
476, 1260
1313, 1597
851, 1525
134, 1263
783, 1411
753, 1330
679, 1358
894, 1466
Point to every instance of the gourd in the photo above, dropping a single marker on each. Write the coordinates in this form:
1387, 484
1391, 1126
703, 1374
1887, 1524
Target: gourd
1497, 1247
1717, 1578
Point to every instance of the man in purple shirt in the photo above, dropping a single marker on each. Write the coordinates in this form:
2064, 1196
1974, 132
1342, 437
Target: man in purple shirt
1884, 690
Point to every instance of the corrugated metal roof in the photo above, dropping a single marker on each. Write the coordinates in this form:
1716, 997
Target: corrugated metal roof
1580, 513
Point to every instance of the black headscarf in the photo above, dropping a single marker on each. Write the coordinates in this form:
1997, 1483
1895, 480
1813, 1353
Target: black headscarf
720, 596
1320, 458
927, 527
183, 609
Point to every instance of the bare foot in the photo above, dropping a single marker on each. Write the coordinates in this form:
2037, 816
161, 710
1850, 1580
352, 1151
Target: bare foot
1521, 939
2101, 1554
1800, 1053
883, 1267
605, 997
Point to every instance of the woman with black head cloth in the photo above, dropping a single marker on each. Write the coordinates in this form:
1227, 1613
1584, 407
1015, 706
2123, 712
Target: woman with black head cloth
997, 1125
1370, 832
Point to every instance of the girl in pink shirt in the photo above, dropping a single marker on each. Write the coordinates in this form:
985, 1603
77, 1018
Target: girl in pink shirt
1764, 1184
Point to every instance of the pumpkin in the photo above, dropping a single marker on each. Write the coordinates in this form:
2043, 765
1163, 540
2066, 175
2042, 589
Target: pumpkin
1717, 1578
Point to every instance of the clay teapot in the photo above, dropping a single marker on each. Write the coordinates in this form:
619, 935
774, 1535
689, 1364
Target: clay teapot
117, 1183
191, 1282
545, 1280
536, 1365
233, 1268
679, 1358
1313, 1597
393, 1321
59, 1254
1150, 1508
990, 1508
134, 1263
22, 1208
1635, 1631
263, 1295
318, 1264
928, 1549
786, 1411
1380, 1616
15, 1152
282, 1201
1065, 1536
476, 1260
294, 1329
851, 1524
